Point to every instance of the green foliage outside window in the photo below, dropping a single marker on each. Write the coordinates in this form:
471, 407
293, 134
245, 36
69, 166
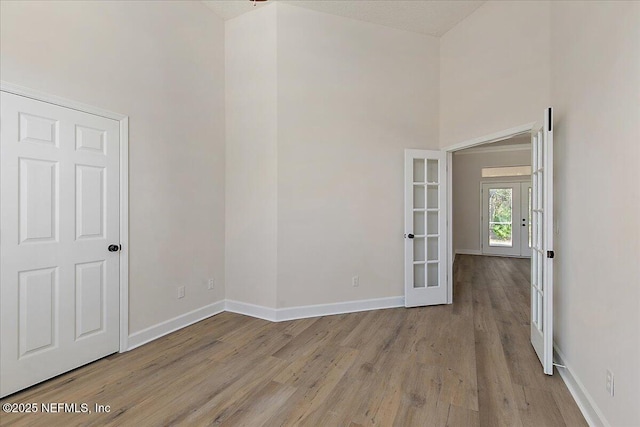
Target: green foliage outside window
500, 208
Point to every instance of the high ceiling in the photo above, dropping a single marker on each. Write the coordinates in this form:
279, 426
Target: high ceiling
432, 17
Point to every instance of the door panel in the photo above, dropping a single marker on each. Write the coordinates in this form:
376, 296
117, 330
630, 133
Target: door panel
425, 228
59, 211
38, 206
38, 310
90, 301
542, 242
90, 215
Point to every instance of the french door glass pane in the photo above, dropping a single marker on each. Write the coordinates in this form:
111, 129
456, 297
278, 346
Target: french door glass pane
529, 216
432, 249
418, 197
432, 171
418, 170
432, 275
432, 197
432, 222
500, 217
419, 277
419, 223
418, 249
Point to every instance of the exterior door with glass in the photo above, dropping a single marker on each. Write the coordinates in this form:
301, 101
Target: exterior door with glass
506, 215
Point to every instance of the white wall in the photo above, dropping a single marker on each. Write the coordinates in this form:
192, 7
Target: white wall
251, 203
467, 176
162, 64
596, 95
494, 71
351, 97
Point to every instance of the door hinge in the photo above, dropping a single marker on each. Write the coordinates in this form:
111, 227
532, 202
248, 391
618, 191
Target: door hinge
550, 254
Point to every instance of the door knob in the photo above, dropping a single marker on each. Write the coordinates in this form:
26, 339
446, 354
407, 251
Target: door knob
411, 236
114, 248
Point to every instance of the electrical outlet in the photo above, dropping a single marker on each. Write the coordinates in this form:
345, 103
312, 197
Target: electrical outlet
180, 292
609, 384
355, 281
211, 284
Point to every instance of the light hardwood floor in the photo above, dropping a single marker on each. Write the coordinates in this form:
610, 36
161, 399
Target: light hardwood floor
466, 364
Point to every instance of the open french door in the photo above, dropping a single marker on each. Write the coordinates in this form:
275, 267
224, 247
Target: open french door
542, 242
425, 228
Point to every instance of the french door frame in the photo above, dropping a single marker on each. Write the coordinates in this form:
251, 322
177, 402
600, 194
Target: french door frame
124, 189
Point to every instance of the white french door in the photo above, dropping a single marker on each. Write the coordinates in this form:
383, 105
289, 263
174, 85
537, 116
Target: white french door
60, 228
542, 242
506, 216
425, 228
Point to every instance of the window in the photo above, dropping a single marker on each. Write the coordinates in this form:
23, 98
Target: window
506, 171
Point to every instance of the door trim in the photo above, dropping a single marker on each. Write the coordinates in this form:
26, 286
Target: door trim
524, 129
124, 187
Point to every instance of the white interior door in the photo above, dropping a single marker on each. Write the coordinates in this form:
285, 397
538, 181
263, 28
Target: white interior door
525, 219
425, 227
542, 242
59, 212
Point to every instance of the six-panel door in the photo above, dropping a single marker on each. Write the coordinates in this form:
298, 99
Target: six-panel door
59, 212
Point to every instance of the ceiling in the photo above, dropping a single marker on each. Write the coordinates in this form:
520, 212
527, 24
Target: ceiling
432, 17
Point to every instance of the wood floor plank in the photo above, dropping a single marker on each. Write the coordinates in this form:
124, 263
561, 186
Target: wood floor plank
496, 400
466, 364
459, 417
523, 364
419, 404
311, 392
537, 407
265, 402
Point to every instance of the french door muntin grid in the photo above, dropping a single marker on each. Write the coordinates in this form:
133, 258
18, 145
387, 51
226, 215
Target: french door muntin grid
537, 256
426, 211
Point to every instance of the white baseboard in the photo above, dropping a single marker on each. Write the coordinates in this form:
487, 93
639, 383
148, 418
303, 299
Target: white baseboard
302, 312
592, 414
161, 329
479, 252
271, 314
259, 311
466, 252
305, 311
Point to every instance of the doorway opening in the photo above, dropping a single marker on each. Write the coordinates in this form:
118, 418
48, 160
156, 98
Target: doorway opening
541, 219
